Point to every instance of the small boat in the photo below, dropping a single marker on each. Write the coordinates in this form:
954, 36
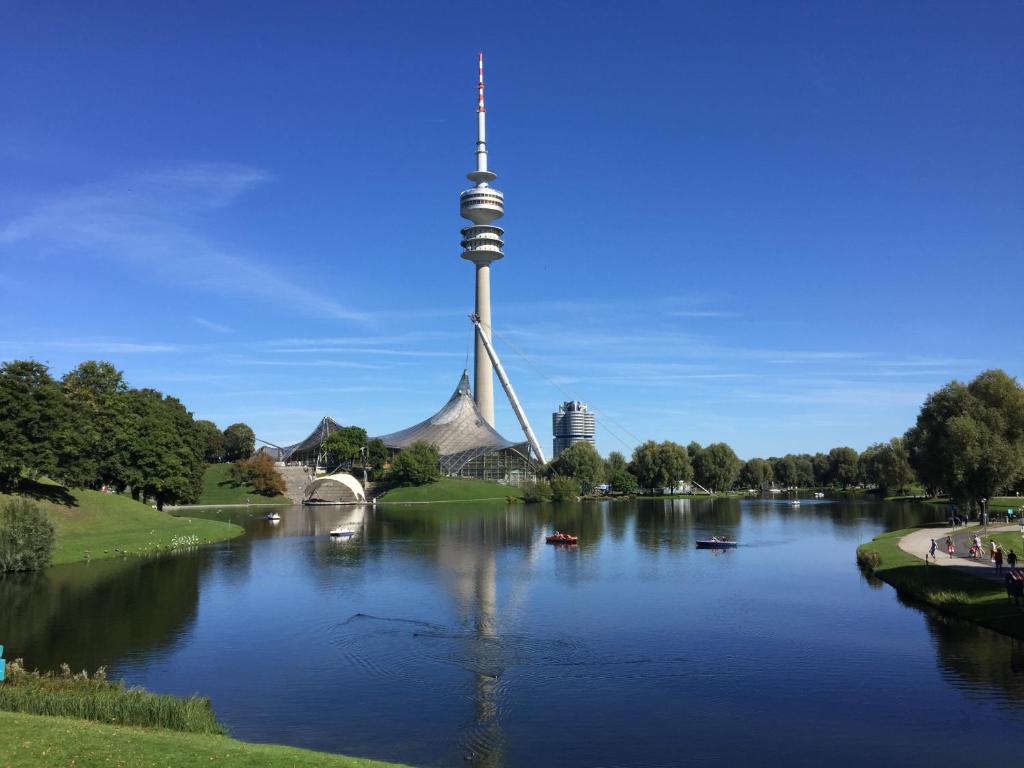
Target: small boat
274, 517
819, 495
715, 543
795, 503
342, 533
562, 538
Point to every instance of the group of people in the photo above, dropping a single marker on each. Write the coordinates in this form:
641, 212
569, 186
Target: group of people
976, 550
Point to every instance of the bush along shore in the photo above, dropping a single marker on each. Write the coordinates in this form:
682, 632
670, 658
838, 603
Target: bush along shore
948, 590
79, 719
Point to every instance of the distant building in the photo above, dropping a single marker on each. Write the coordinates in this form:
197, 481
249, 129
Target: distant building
572, 423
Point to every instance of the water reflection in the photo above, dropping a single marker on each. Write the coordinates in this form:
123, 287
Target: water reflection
454, 634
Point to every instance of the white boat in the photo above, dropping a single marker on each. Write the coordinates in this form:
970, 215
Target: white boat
274, 517
795, 503
342, 533
819, 495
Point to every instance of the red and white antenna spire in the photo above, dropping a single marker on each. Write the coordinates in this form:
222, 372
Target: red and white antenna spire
480, 106
481, 123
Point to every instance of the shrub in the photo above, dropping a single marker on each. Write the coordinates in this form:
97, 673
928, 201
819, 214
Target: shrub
564, 488
417, 464
260, 473
538, 491
868, 559
94, 698
27, 536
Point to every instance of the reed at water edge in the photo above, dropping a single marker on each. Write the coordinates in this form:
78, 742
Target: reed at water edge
65, 694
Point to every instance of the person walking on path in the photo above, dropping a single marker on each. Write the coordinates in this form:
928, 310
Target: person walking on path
1011, 560
949, 547
999, 560
932, 550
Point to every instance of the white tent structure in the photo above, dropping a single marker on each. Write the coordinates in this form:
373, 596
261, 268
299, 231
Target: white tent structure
340, 488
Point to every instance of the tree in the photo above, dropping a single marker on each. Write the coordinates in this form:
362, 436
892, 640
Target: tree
564, 488
820, 465
32, 414
892, 467
212, 440
239, 442
27, 536
622, 482
97, 419
536, 491
661, 465
756, 473
842, 467
785, 471
693, 449
345, 444
581, 462
716, 467
804, 471
416, 464
259, 472
376, 454
969, 439
614, 464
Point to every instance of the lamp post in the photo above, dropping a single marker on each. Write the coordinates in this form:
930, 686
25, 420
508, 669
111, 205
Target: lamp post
363, 452
984, 515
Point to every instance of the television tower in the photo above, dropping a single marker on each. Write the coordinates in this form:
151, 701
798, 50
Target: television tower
481, 244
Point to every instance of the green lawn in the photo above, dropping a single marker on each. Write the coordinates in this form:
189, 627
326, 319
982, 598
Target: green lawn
39, 741
452, 489
969, 597
217, 489
93, 525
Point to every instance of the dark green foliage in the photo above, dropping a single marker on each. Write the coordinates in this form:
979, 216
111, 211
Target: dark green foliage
820, 465
27, 536
756, 473
239, 442
96, 426
716, 467
212, 440
417, 464
32, 412
564, 488
376, 454
969, 439
886, 466
660, 465
538, 491
622, 482
842, 467
345, 444
94, 698
581, 462
614, 464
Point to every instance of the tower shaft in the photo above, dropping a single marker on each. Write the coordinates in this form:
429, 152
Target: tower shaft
483, 369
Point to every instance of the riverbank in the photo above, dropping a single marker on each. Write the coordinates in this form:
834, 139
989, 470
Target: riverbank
219, 489
41, 741
450, 489
92, 525
952, 590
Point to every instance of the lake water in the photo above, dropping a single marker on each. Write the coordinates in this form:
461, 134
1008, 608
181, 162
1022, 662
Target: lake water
452, 635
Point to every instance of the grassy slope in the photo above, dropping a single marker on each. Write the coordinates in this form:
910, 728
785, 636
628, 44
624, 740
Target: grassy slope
94, 525
452, 489
979, 600
37, 741
217, 490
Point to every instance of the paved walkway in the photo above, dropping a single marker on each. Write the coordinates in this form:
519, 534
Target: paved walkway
919, 544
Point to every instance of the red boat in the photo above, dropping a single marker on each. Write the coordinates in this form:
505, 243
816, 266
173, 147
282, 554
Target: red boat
563, 538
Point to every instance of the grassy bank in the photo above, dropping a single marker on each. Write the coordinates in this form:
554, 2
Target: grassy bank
218, 489
449, 489
92, 525
38, 741
979, 600
64, 694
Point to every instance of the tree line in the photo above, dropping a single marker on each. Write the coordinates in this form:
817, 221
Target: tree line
967, 442
89, 429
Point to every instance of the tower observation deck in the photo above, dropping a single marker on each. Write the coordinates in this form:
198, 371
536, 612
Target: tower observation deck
482, 244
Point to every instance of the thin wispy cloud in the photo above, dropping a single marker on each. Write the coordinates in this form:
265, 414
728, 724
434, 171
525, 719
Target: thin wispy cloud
97, 346
212, 326
154, 221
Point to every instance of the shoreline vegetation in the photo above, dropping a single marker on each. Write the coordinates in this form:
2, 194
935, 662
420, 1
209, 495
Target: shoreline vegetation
220, 489
92, 525
976, 599
76, 719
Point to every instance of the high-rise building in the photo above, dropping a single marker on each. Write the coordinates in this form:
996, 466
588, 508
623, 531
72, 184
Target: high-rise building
571, 423
482, 244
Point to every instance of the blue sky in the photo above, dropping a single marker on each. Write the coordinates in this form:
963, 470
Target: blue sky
776, 224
